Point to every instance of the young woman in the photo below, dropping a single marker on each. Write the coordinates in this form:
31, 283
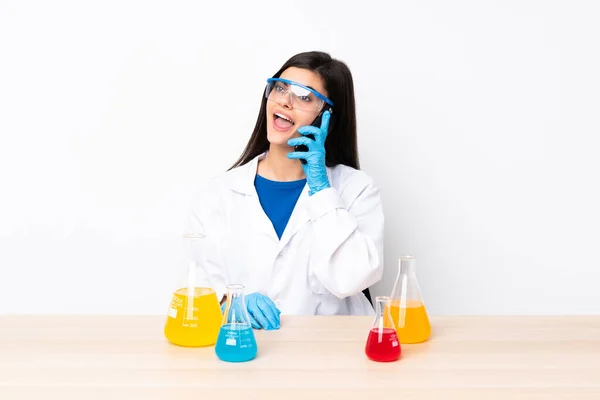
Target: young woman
294, 219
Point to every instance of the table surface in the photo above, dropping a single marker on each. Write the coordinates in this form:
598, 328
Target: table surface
114, 357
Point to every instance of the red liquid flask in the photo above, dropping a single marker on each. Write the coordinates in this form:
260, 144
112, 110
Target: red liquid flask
383, 344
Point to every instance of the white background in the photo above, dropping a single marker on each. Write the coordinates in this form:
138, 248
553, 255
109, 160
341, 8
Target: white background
477, 119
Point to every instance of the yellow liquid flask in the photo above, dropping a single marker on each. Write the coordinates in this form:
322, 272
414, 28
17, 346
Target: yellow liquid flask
194, 316
407, 307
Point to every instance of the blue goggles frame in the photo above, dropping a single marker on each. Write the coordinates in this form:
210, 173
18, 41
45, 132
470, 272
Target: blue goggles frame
319, 95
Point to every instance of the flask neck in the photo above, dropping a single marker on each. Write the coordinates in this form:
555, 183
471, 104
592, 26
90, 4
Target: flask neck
406, 266
380, 303
235, 292
382, 311
193, 244
406, 288
235, 310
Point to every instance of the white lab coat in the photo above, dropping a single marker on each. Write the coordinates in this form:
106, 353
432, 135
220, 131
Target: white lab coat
331, 249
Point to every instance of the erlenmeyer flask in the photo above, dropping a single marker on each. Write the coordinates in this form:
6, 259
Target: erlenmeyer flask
382, 343
194, 316
236, 342
407, 308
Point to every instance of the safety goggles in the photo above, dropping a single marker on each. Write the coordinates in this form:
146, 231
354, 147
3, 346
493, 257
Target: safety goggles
301, 97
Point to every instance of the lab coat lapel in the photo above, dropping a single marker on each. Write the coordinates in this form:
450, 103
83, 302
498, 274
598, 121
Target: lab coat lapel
299, 217
297, 220
243, 183
263, 224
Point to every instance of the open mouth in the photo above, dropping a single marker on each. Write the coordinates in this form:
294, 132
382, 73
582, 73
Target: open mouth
282, 122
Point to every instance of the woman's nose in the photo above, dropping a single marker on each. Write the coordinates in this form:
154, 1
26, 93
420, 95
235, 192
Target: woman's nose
286, 100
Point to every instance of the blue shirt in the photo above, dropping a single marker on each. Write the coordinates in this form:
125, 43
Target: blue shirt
278, 200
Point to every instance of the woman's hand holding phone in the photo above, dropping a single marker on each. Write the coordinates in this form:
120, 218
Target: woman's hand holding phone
314, 168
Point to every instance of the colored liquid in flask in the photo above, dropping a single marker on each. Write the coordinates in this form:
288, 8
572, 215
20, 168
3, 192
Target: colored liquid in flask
411, 322
195, 324
383, 345
236, 343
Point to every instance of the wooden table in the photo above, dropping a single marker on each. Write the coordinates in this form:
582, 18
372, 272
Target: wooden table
127, 357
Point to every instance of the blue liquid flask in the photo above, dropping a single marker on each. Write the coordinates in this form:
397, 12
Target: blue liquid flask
236, 342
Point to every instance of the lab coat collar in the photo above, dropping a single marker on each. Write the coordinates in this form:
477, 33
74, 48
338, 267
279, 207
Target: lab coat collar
241, 179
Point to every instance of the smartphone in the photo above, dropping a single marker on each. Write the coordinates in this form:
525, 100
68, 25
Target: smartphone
316, 123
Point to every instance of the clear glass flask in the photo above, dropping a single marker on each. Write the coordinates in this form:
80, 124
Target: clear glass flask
194, 316
236, 341
407, 308
383, 344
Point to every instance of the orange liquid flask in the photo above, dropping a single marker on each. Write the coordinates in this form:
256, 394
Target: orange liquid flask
407, 308
382, 342
194, 316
